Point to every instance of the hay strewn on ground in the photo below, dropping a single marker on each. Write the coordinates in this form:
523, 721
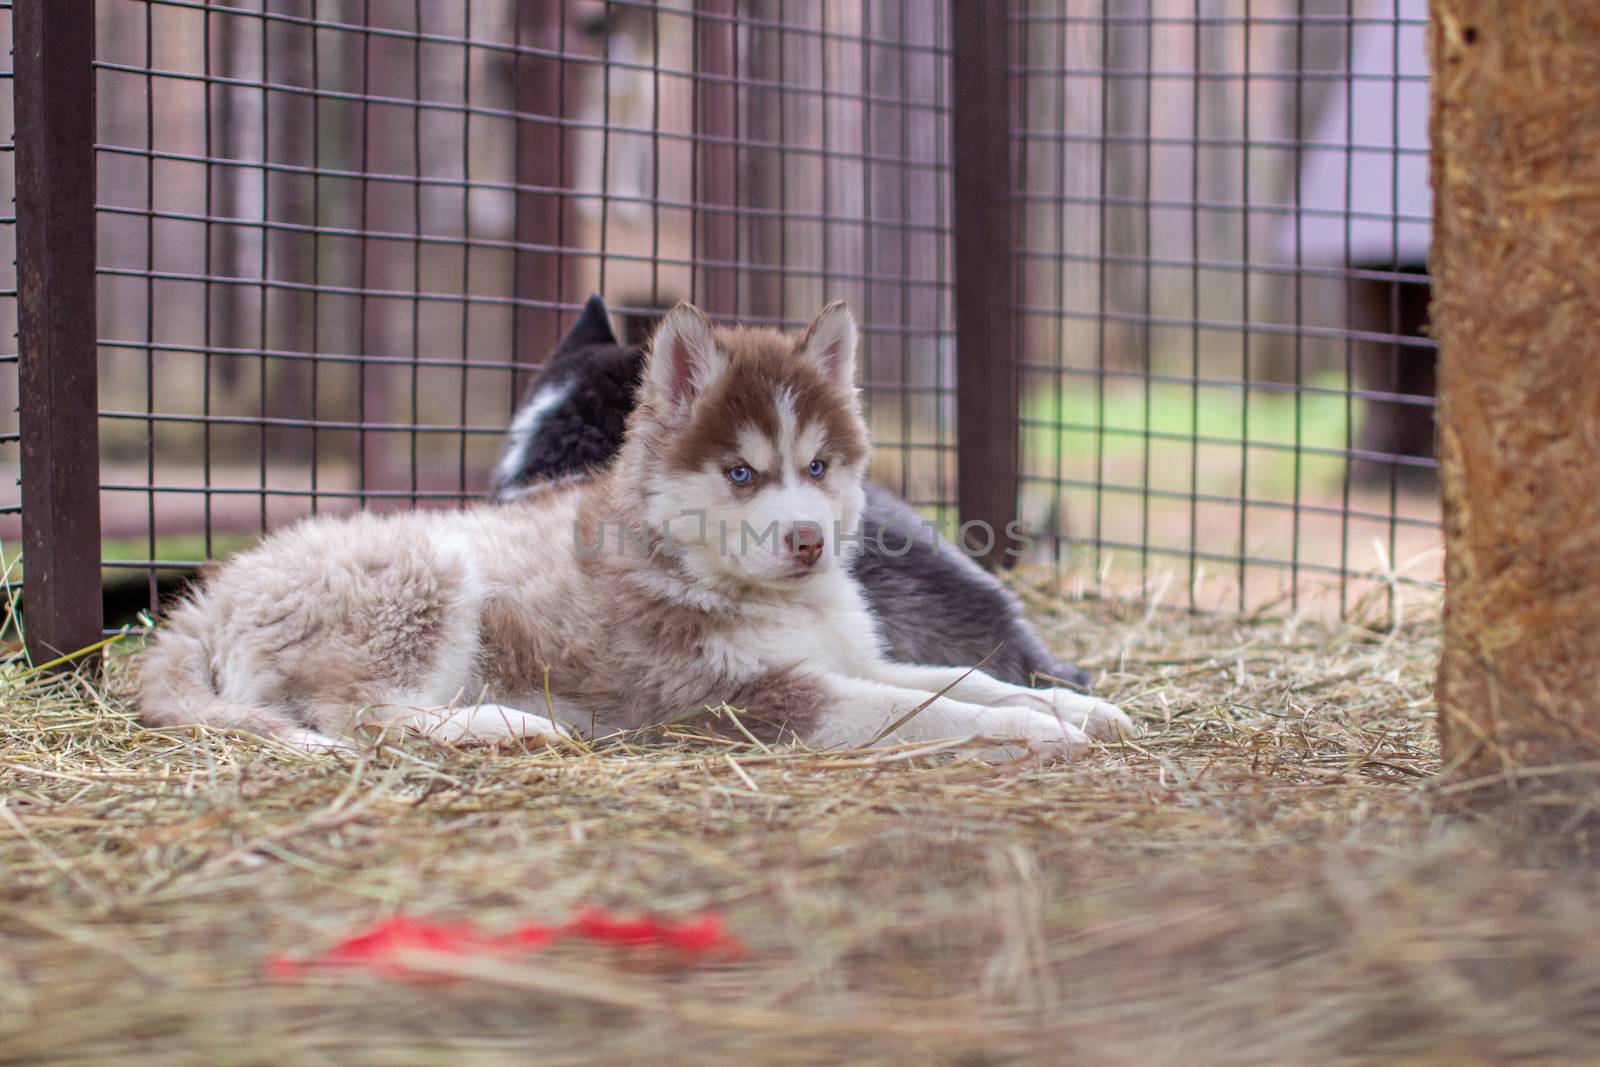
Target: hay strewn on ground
1258, 880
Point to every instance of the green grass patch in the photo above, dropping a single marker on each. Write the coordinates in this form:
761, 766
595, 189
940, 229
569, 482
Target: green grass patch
1276, 427
179, 550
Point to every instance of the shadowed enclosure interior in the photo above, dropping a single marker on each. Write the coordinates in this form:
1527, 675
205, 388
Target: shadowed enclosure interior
336, 237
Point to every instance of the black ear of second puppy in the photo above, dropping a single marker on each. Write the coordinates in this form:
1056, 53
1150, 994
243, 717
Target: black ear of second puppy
576, 409
593, 326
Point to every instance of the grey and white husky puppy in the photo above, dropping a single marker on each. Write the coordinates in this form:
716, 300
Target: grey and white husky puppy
624, 600
934, 604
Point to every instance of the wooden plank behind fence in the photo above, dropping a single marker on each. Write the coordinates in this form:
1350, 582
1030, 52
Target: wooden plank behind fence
1516, 267
544, 227
716, 157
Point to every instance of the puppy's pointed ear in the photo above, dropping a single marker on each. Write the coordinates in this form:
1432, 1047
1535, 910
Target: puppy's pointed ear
684, 358
593, 326
831, 341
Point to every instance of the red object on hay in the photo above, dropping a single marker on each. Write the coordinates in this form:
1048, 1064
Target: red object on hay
381, 947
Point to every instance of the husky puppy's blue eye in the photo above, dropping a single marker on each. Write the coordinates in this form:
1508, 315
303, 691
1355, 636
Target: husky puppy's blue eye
817, 468
740, 475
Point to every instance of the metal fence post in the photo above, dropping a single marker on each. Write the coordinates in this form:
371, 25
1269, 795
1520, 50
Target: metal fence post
988, 393
57, 390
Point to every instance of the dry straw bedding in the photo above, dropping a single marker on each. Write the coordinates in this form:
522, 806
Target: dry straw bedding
1257, 880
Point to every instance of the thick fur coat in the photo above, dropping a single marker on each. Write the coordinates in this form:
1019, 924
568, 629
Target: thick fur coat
708, 566
933, 604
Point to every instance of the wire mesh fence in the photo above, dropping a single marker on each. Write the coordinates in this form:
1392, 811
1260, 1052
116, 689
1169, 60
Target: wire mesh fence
335, 238
1223, 229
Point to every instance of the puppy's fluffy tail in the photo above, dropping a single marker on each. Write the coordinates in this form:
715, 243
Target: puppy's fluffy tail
177, 680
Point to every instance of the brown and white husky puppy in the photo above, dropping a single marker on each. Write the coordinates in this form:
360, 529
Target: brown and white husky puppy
706, 567
933, 603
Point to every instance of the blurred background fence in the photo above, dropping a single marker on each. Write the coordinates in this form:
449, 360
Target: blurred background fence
334, 238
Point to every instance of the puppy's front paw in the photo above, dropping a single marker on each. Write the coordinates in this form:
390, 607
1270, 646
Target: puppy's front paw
1101, 721
1035, 735
317, 744
488, 724
1107, 722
